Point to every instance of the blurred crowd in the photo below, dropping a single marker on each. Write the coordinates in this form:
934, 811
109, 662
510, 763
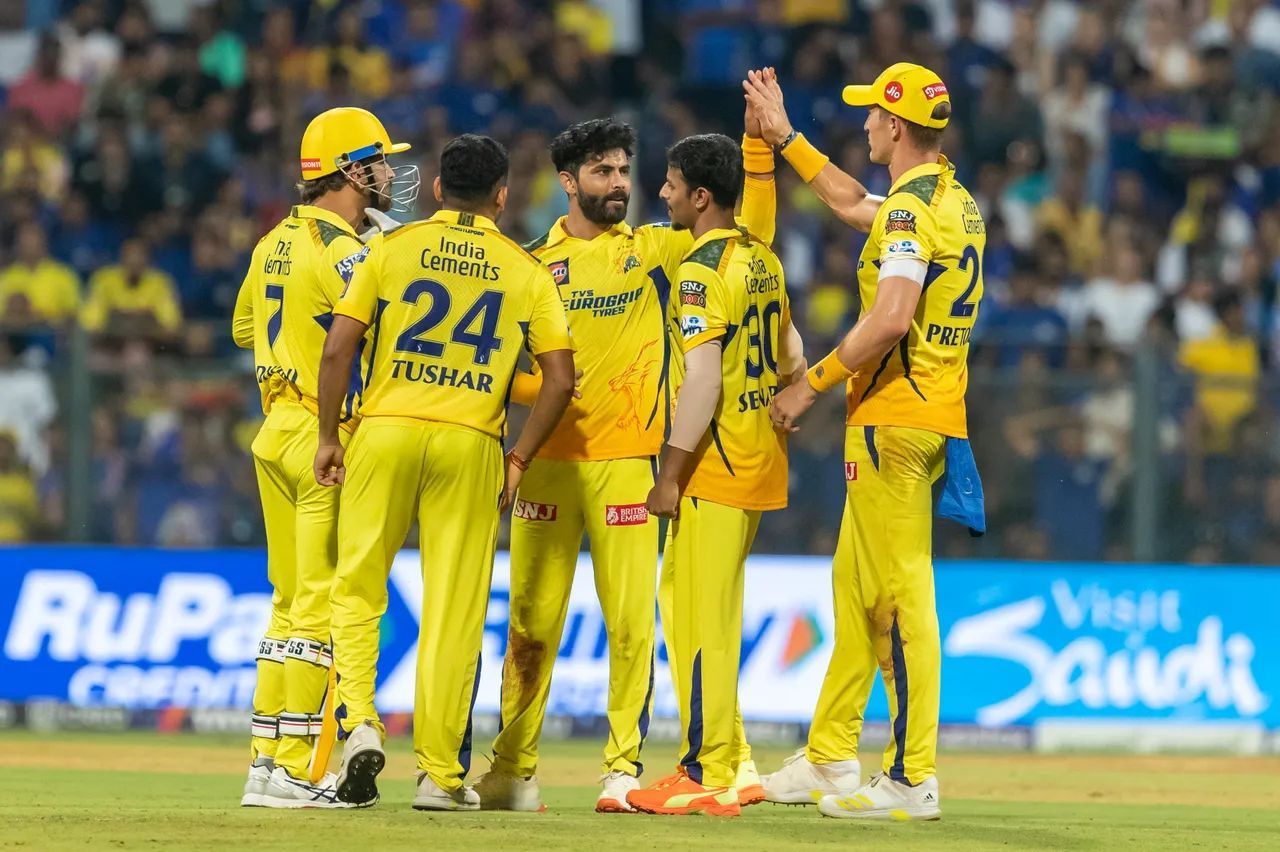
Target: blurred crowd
1125, 154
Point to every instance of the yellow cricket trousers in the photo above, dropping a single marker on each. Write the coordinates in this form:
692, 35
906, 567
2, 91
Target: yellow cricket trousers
301, 519
558, 501
448, 478
705, 560
885, 611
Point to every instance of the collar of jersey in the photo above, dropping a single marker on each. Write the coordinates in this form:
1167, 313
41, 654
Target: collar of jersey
310, 211
715, 234
451, 217
558, 234
937, 168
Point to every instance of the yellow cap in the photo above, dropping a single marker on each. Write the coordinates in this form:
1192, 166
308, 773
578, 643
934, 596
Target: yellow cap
907, 90
343, 135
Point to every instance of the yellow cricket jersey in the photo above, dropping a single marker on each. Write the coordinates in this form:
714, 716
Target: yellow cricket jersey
450, 301
285, 305
616, 290
921, 381
732, 289
111, 290
51, 288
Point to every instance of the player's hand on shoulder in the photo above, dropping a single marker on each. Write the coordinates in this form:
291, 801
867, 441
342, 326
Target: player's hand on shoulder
329, 468
664, 499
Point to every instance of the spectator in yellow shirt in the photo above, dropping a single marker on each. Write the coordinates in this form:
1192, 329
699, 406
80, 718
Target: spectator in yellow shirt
369, 67
1075, 220
19, 502
133, 298
36, 289
1225, 367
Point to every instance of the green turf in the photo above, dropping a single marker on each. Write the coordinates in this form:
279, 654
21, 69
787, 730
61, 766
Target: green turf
103, 808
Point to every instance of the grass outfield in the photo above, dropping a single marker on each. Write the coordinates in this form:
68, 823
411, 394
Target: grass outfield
125, 791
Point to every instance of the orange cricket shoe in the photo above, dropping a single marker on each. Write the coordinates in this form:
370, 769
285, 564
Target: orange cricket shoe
680, 795
747, 783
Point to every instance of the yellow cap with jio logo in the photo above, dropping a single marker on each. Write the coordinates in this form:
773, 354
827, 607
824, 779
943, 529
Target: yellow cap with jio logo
907, 90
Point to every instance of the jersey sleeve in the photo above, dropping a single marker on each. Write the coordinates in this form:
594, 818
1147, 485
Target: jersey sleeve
338, 263
242, 317
906, 229
760, 208
548, 326
704, 304
359, 294
671, 246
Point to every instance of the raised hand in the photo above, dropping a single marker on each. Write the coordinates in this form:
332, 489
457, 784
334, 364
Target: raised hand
764, 100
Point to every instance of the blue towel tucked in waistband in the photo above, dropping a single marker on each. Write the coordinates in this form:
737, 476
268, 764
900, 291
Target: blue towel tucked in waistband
962, 499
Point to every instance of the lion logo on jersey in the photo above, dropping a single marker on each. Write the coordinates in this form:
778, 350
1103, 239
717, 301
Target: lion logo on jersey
630, 383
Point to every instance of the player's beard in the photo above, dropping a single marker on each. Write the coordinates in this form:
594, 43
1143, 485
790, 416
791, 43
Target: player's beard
604, 209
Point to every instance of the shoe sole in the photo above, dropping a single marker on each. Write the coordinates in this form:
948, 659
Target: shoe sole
809, 797
752, 795
694, 810
302, 804
360, 786
893, 815
613, 806
252, 800
438, 805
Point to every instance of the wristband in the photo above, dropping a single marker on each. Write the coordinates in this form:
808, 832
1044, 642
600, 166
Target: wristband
828, 373
803, 157
757, 156
516, 459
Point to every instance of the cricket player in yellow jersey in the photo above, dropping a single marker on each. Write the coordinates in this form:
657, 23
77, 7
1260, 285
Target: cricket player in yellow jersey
723, 464
449, 303
283, 311
595, 471
904, 367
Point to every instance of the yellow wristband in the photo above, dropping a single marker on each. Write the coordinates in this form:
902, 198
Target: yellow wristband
804, 158
828, 373
757, 156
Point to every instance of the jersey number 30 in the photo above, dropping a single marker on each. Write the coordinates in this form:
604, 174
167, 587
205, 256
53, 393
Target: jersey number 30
483, 311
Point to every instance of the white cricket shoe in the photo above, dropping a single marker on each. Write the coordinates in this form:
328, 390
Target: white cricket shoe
362, 760
285, 791
613, 798
747, 783
800, 782
431, 798
886, 799
503, 791
255, 785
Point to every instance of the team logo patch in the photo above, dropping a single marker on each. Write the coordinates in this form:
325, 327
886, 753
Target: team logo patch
560, 271
347, 266
534, 511
626, 515
691, 325
900, 220
632, 262
903, 248
935, 90
693, 293
893, 92
850, 471
310, 163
